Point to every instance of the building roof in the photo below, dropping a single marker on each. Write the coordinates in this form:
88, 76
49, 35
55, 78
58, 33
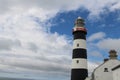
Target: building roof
115, 67
105, 63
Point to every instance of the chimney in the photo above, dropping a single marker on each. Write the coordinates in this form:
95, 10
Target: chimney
113, 54
106, 59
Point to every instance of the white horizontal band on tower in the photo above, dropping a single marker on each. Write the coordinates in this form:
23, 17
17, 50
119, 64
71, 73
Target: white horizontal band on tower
79, 63
79, 43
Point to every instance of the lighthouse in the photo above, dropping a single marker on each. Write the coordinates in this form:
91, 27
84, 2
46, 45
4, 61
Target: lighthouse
79, 56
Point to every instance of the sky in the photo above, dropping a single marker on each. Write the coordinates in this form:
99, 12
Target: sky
36, 36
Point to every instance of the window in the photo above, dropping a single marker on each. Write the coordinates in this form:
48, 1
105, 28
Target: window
77, 61
105, 69
77, 45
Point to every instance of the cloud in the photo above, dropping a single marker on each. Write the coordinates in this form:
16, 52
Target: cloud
100, 41
8, 44
96, 36
104, 7
116, 6
59, 6
46, 5
33, 47
109, 43
28, 46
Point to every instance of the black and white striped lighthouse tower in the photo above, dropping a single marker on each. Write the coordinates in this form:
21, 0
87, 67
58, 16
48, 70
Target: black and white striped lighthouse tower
79, 57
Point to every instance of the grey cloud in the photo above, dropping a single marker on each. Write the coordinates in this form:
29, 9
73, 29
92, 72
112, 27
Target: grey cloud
9, 54
4, 6
45, 66
32, 47
61, 5
5, 71
46, 4
7, 44
5, 78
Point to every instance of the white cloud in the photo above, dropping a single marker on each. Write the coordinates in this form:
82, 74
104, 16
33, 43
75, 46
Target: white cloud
97, 36
25, 43
98, 7
109, 44
28, 45
116, 6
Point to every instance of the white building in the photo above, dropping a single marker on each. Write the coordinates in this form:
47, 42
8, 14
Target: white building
109, 70
116, 73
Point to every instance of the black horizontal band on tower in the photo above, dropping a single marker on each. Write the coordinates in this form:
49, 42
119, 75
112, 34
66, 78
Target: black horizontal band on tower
79, 35
79, 32
79, 74
79, 53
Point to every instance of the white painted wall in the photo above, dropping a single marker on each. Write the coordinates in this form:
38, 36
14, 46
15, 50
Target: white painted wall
81, 64
81, 42
116, 74
88, 78
99, 73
